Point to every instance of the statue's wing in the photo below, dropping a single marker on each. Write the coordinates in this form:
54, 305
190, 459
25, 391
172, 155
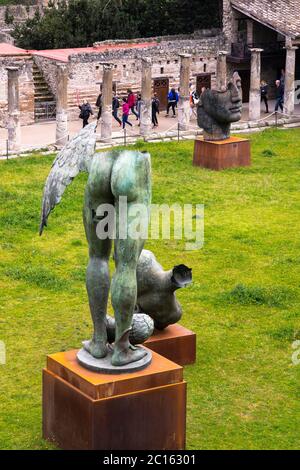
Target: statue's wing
72, 159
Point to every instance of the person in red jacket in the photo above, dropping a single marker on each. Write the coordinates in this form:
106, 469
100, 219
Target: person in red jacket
125, 109
131, 100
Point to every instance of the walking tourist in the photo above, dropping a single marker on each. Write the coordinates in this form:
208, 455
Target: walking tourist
115, 108
126, 110
131, 101
279, 95
194, 100
155, 110
99, 106
85, 112
264, 94
172, 102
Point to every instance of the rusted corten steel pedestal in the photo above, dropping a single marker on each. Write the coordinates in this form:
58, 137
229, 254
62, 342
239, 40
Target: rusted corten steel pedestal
219, 155
176, 343
85, 410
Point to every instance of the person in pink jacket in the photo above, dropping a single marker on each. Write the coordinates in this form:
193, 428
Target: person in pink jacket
125, 109
131, 100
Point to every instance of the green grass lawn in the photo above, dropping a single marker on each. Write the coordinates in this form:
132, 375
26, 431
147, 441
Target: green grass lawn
244, 304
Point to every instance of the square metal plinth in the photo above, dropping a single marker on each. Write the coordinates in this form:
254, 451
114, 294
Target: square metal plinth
145, 410
219, 155
176, 343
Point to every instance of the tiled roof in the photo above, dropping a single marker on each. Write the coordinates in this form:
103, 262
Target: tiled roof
9, 49
281, 15
62, 55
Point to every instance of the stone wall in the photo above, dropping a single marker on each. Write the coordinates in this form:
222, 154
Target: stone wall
198, 34
26, 89
86, 70
48, 68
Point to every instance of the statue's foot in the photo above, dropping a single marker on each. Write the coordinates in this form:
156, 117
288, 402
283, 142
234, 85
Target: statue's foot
127, 356
97, 349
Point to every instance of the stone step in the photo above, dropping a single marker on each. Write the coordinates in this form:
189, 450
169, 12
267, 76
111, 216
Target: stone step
90, 98
44, 115
41, 86
41, 113
40, 83
86, 92
44, 97
292, 125
82, 95
44, 101
44, 104
73, 106
42, 109
41, 117
44, 94
37, 77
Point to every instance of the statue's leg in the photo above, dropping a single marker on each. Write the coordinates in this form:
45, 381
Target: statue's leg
124, 294
130, 178
97, 277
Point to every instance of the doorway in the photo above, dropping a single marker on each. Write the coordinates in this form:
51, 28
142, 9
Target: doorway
203, 81
161, 87
245, 76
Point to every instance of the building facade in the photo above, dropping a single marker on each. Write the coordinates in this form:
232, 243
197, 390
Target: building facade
270, 25
85, 69
260, 38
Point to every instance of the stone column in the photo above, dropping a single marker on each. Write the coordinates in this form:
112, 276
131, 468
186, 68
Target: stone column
229, 24
146, 106
184, 107
289, 87
107, 85
255, 95
222, 70
61, 105
13, 125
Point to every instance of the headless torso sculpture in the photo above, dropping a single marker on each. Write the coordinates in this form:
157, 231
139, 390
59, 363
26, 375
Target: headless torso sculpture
113, 175
138, 280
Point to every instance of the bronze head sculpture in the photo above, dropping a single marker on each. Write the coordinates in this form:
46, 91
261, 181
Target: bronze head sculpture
217, 109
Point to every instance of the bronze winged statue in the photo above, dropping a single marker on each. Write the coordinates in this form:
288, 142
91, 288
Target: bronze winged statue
139, 282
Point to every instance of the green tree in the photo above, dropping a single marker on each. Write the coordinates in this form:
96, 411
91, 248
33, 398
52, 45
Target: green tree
82, 22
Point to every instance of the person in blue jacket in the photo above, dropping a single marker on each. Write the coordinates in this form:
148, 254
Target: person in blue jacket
172, 101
